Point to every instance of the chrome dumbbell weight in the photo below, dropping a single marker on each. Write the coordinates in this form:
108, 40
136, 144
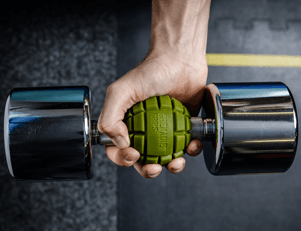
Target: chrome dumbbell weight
249, 128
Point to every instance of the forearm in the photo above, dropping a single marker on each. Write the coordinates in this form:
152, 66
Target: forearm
180, 26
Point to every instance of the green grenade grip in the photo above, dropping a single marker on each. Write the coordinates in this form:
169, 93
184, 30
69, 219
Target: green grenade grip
158, 129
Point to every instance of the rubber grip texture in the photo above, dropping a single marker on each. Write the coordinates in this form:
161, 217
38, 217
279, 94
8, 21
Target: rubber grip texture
158, 129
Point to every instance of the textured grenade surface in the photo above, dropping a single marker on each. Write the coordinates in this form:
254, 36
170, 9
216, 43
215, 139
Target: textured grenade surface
158, 129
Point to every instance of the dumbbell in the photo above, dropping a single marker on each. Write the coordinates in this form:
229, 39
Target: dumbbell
248, 128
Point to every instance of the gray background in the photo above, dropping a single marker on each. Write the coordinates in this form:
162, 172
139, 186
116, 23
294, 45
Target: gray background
56, 43
194, 199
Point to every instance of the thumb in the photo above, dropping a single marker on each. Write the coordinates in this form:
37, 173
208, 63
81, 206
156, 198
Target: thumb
118, 100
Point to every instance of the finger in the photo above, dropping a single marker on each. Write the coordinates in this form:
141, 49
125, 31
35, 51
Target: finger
118, 100
148, 170
117, 132
176, 165
194, 148
122, 157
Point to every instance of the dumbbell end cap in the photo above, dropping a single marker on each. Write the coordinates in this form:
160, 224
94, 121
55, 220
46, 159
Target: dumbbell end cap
47, 133
256, 128
6, 136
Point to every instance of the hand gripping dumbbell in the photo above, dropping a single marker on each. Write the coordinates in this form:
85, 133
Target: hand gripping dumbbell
249, 128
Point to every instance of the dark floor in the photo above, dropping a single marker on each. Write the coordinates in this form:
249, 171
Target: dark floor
194, 199
55, 44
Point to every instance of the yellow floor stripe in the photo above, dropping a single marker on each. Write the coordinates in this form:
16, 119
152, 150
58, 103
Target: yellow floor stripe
250, 60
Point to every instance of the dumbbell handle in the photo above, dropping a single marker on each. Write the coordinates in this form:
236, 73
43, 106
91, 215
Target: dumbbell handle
97, 137
201, 129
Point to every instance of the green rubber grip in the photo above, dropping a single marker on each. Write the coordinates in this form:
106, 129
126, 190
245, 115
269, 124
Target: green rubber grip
158, 129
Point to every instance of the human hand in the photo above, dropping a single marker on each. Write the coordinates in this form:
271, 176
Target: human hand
175, 66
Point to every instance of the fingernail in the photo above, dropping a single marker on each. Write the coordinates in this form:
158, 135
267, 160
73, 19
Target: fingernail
197, 150
153, 175
130, 158
127, 138
178, 170
175, 170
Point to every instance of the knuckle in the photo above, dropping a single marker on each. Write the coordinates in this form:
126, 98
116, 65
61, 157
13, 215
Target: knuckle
112, 88
123, 161
104, 128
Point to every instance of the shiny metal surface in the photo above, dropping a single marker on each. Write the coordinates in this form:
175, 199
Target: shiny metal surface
47, 134
250, 128
202, 129
6, 136
97, 137
87, 135
258, 128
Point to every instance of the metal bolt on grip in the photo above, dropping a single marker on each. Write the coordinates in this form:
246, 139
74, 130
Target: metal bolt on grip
202, 129
98, 137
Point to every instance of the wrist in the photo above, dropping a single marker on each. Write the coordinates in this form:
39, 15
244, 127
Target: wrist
179, 29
